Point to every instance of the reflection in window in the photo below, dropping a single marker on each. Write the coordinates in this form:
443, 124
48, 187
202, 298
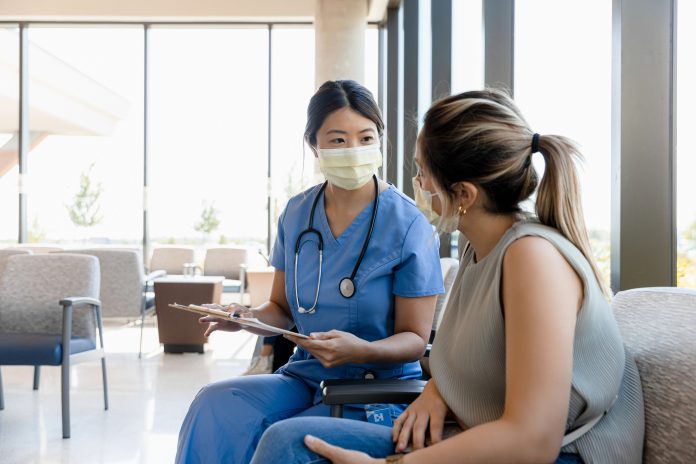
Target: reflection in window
686, 148
208, 100
9, 127
85, 120
558, 96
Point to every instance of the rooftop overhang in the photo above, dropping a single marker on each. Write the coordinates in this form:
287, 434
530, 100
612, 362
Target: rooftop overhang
169, 11
62, 99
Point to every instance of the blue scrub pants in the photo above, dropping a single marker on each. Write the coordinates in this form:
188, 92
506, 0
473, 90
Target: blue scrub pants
226, 419
284, 441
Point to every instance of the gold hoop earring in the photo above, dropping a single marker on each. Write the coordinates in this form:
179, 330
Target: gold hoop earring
461, 211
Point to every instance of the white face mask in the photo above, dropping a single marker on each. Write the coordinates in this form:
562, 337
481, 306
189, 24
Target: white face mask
350, 168
424, 202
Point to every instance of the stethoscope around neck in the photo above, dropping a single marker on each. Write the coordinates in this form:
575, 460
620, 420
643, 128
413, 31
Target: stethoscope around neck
347, 285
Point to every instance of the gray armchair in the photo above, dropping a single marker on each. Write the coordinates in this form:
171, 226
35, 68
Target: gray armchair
230, 262
7, 252
658, 326
124, 285
171, 259
49, 315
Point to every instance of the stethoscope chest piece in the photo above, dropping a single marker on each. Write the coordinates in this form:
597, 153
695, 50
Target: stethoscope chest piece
302, 310
346, 287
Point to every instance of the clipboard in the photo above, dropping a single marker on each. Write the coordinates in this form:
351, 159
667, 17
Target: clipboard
249, 322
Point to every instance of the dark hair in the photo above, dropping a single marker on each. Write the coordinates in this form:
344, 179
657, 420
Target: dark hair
482, 138
334, 95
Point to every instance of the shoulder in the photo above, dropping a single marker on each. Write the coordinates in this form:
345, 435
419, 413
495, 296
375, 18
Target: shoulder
400, 199
530, 250
399, 209
532, 244
533, 264
302, 200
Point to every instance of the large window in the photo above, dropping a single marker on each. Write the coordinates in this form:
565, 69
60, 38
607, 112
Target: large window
208, 101
556, 43
686, 147
467, 45
9, 126
372, 61
292, 82
86, 125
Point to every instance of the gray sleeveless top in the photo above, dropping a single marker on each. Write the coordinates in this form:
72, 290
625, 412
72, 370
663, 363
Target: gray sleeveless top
468, 355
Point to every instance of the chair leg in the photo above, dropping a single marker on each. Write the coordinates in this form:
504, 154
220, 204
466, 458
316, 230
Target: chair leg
2, 398
37, 376
336, 410
106, 390
65, 397
142, 327
100, 327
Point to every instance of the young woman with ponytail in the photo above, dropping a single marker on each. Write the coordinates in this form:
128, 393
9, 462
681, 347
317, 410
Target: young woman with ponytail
528, 361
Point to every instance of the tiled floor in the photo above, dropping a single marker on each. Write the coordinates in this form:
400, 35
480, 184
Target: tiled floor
148, 398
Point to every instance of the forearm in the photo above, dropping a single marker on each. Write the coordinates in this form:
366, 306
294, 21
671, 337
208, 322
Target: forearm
400, 347
272, 314
494, 442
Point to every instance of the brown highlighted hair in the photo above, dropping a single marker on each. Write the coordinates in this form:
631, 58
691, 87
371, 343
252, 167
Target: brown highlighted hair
481, 137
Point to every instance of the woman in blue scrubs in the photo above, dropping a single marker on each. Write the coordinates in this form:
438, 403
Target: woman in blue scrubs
356, 269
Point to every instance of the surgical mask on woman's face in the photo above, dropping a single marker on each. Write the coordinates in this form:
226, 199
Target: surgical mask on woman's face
424, 202
350, 168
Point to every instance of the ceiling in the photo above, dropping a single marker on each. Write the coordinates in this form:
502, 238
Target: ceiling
169, 11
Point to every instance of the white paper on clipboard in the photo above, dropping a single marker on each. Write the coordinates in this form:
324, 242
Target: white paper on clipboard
250, 322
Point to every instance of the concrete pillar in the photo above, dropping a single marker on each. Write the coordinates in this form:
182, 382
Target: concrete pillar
643, 227
339, 28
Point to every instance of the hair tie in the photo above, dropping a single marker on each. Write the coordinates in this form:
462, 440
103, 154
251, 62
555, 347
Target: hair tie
535, 143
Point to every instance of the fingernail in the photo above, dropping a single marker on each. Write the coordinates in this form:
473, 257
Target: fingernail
310, 438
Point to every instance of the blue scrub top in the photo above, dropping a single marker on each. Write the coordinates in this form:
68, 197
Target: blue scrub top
402, 259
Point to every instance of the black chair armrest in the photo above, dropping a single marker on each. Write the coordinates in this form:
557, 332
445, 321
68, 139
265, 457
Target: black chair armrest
343, 391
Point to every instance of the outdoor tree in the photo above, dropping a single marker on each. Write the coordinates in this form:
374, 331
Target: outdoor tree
84, 210
210, 220
36, 233
689, 235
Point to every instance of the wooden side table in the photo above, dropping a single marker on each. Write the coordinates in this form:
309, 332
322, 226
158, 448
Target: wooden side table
179, 331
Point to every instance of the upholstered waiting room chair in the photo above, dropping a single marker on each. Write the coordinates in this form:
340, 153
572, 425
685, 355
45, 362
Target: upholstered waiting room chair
124, 284
230, 262
7, 252
171, 259
659, 326
49, 315
36, 249
259, 282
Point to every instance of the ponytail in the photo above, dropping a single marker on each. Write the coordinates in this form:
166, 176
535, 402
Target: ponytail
558, 201
481, 137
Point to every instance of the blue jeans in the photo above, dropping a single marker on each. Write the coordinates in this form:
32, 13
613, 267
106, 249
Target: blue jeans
283, 441
226, 419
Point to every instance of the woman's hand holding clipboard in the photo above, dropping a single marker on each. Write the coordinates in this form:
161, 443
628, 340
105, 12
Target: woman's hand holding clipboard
231, 318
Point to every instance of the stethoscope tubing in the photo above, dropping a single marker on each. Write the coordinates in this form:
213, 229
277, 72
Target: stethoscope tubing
320, 244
